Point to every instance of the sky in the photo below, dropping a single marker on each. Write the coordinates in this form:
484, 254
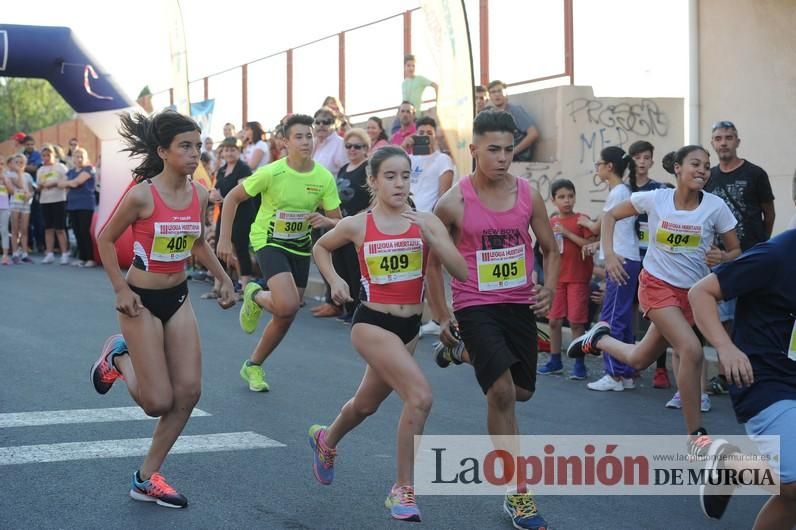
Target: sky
622, 47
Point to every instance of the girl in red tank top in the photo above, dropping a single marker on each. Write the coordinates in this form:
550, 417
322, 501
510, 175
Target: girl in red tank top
152, 301
392, 242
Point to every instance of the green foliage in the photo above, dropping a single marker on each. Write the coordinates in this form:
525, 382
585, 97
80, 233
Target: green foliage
29, 105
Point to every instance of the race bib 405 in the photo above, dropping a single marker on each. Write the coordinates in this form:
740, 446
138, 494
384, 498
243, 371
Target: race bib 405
501, 268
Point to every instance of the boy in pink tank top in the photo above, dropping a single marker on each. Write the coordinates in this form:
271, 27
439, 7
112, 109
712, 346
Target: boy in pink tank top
489, 215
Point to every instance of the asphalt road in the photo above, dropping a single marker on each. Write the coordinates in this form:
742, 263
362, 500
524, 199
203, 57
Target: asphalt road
55, 319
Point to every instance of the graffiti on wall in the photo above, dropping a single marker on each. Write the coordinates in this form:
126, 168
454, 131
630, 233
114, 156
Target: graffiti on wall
605, 124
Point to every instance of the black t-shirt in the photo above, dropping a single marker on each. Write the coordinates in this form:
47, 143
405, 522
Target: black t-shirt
353, 190
744, 189
225, 183
763, 279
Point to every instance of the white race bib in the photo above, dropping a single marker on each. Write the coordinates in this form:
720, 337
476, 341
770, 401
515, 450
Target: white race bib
501, 268
678, 238
290, 225
394, 260
174, 241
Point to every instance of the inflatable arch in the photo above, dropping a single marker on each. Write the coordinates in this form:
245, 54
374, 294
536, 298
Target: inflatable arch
55, 54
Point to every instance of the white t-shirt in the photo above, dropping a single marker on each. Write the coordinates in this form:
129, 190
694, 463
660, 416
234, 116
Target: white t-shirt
625, 236
51, 173
680, 239
261, 145
331, 153
424, 184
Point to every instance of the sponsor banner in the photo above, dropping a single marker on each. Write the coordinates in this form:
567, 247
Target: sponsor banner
595, 465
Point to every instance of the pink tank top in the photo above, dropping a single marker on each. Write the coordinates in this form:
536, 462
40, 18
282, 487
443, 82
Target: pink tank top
498, 249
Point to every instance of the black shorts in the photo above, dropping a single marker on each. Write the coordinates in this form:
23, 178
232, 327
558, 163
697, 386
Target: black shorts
274, 260
406, 328
54, 215
163, 303
500, 337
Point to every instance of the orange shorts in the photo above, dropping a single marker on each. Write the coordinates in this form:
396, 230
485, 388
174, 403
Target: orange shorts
656, 294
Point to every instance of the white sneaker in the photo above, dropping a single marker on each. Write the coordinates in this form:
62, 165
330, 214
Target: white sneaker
704, 404
606, 383
429, 328
76, 263
675, 402
89, 264
628, 383
64, 259
49, 258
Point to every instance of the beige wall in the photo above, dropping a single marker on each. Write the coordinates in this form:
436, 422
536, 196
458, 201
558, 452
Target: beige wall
747, 65
574, 126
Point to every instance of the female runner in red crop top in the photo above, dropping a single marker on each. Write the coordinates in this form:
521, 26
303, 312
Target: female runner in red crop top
392, 241
158, 353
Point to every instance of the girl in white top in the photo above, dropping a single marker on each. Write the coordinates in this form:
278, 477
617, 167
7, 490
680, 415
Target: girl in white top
53, 204
683, 224
22, 187
5, 212
256, 154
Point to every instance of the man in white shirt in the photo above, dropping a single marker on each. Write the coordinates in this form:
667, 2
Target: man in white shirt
432, 173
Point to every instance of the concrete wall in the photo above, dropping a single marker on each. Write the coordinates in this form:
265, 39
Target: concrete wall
747, 65
574, 127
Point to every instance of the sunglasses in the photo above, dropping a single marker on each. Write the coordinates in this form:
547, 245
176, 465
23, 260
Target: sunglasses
723, 124
355, 146
324, 122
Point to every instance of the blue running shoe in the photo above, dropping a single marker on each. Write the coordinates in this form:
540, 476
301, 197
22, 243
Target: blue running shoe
553, 366
402, 505
523, 512
156, 489
323, 456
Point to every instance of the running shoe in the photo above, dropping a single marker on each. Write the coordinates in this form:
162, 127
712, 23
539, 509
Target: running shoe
714, 496
430, 328
49, 258
156, 489
254, 375
323, 455
579, 372
64, 259
718, 385
553, 366
5, 261
523, 512
26, 258
675, 402
704, 403
661, 379
250, 312
607, 383
402, 504
587, 343
445, 355
702, 447
103, 372
628, 383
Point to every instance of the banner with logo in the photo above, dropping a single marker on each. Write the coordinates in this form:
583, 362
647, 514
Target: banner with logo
449, 36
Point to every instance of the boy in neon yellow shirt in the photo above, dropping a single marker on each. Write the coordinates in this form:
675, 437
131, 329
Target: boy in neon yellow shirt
291, 190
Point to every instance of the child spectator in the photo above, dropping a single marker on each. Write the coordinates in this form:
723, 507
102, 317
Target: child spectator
572, 292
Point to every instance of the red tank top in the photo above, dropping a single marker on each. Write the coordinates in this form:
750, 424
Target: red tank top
163, 241
392, 266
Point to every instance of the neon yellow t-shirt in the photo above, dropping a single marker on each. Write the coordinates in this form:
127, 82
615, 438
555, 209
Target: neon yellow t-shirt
287, 198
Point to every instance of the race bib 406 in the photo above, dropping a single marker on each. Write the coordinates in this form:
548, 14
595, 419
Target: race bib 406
174, 241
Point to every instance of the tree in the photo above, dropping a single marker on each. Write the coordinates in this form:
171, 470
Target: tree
29, 105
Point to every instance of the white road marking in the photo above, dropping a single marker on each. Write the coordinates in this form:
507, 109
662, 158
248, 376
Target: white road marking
202, 443
61, 417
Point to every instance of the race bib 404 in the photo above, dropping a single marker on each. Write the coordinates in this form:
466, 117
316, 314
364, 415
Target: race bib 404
501, 268
174, 241
394, 260
290, 225
677, 237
